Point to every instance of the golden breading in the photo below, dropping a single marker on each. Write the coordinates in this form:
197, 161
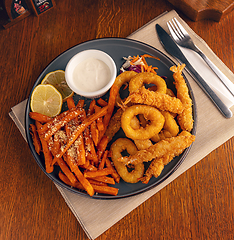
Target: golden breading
170, 146
185, 119
156, 99
117, 148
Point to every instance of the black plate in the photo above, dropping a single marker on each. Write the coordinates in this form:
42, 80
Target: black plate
117, 48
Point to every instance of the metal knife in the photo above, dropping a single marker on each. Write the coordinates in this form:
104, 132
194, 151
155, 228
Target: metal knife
172, 48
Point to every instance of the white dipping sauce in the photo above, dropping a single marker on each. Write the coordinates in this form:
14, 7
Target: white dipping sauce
91, 75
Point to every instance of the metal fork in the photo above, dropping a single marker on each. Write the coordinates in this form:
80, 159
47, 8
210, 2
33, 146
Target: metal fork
183, 39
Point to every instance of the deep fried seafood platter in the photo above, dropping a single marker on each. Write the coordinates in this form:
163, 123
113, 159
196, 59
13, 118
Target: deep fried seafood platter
155, 119
99, 145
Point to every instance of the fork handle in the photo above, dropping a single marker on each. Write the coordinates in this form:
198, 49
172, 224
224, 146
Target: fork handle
227, 83
210, 93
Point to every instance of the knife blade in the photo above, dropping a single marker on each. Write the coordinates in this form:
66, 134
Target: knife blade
172, 48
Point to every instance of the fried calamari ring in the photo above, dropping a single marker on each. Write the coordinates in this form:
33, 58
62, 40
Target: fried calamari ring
117, 148
115, 124
122, 79
146, 78
150, 113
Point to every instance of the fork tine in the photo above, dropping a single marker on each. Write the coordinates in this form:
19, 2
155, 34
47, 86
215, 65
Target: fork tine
177, 29
173, 31
182, 30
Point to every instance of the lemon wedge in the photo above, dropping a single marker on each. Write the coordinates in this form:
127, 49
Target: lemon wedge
57, 79
46, 99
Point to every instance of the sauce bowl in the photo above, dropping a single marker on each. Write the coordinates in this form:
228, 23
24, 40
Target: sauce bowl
81, 58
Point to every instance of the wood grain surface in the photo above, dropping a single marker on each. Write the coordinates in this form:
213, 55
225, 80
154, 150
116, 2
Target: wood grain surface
197, 205
204, 9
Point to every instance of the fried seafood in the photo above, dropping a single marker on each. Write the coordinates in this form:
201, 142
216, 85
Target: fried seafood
168, 92
155, 169
135, 123
170, 124
146, 78
123, 78
170, 146
161, 101
170, 128
116, 149
114, 124
150, 113
140, 144
143, 144
185, 119
161, 136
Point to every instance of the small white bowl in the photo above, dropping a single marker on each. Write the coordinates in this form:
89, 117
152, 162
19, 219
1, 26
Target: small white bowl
83, 56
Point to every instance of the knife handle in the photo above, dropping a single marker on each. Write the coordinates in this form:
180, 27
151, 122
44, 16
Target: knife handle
210, 93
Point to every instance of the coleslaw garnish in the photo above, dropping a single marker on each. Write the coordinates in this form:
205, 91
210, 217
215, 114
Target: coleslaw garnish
138, 64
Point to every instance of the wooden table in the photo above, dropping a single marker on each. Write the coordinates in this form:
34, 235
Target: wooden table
197, 205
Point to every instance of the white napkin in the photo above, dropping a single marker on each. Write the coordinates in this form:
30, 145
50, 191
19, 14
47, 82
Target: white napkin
209, 76
96, 216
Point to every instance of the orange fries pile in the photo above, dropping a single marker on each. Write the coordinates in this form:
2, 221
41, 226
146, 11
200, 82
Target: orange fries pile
75, 141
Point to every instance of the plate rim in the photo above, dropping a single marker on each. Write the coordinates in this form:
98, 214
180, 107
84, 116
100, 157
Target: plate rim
99, 196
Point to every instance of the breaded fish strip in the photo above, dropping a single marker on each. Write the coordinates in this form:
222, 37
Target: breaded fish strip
114, 124
185, 119
156, 99
170, 146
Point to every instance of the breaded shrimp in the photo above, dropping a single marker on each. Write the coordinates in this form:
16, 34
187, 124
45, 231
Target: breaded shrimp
155, 169
185, 119
156, 99
170, 146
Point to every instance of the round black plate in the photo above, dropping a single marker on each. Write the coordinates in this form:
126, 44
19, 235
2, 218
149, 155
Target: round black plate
117, 48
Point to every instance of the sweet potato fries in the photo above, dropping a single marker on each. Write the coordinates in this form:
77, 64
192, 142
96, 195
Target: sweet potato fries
75, 141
